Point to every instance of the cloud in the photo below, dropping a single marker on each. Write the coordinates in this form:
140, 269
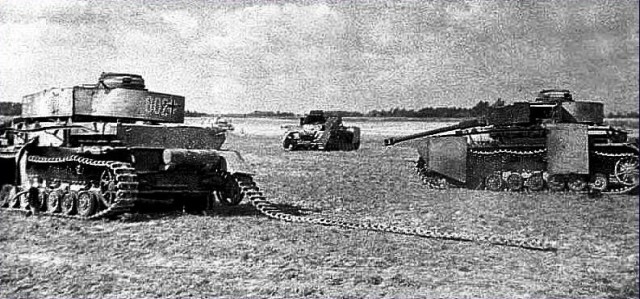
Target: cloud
297, 56
16, 10
182, 21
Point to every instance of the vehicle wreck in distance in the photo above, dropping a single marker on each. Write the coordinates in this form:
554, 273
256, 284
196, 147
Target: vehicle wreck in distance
318, 131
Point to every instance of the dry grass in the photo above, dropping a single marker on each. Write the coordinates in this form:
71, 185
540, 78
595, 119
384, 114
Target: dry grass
238, 253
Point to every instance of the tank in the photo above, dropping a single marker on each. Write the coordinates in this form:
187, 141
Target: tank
317, 131
551, 143
223, 124
99, 150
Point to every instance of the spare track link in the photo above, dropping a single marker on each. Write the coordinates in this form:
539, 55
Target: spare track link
264, 206
125, 182
434, 181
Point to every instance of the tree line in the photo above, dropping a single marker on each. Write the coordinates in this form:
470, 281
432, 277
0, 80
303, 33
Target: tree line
482, 108
10, 108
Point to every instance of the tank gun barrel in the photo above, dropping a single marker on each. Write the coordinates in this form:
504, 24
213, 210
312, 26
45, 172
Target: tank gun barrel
458, 126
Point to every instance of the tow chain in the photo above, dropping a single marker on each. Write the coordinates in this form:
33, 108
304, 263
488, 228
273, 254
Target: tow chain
259, 201
125, 182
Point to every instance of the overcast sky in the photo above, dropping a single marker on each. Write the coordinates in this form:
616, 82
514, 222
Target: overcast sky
228, 56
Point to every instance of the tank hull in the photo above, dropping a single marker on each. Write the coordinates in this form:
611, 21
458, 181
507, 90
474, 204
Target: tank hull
551, 143
565, 159
96, 151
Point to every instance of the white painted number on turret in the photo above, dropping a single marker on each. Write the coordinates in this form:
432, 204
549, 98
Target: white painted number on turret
161, 106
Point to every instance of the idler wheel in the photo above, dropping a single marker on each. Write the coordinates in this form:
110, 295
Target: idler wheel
53, 201
599, 182
87, 203
6, 193
69, 202
229, 192
626, 171
494, 182
535, 182
515, 182
576, 183
556, 182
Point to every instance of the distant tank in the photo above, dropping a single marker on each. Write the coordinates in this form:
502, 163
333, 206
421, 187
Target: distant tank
552, 143
223, 124
321, 132
98, 150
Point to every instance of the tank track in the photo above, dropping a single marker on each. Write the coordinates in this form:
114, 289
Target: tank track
264, 206
123, 191
618, 157
436, 181
432, 179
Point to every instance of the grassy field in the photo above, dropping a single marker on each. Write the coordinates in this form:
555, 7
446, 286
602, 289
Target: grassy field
235, 252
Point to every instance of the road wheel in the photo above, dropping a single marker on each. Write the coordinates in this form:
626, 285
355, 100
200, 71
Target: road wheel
6, 193
87, 203
53, 201
68, 202
515, 182
535, 182
556, 182
33, 196
494, 182
576, 183
40, 202
599, 182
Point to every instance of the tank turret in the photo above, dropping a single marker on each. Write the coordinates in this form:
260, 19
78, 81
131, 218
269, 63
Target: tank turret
553, 142
551, 106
